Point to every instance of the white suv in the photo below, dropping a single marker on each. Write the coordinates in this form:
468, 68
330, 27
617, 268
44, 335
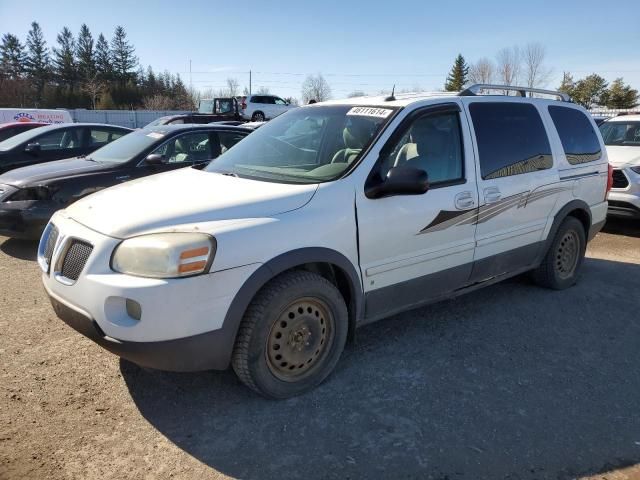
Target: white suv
259, 108
622, 137
329, 217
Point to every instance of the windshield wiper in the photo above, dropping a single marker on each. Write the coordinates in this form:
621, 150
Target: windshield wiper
87, 158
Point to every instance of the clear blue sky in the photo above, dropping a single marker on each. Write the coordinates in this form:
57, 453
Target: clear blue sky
357, 45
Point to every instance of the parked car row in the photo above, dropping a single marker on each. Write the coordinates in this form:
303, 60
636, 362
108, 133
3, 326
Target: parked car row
29, 196
325, 218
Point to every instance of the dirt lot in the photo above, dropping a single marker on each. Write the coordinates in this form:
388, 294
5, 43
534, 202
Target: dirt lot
512, 381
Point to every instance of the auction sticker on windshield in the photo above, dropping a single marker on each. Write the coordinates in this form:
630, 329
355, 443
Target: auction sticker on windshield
155, 135
370, 112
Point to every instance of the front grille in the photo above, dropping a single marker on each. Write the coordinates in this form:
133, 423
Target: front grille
620, 179
51, 243
75, 259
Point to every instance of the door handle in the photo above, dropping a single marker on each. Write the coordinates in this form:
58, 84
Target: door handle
465, 201
492, 194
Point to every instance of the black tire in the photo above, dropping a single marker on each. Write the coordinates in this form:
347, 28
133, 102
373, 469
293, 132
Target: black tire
309, 316
258, 117
561, 265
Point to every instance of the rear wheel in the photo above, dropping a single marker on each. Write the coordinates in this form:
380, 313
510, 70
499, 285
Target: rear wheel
291, 336
560, 267
257, 117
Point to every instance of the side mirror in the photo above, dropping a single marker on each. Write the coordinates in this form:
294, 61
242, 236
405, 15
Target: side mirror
399, 181
32, 148
154, 159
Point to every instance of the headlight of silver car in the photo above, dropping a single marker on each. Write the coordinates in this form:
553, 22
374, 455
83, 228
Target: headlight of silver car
165, 255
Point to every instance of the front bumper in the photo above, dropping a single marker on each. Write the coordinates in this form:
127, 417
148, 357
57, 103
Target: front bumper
207, 351
625, 202
181, 325
24, 220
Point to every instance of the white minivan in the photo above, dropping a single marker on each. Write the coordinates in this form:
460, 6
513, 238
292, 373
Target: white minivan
329, 217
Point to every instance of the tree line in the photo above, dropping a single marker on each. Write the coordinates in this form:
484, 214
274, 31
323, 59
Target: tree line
526, 67
80, 72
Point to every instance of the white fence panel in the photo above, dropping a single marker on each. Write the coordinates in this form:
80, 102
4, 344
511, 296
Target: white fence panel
124, 118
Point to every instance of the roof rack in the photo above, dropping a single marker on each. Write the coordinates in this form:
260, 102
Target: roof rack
522, 91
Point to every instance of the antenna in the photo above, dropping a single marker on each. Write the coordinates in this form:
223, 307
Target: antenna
391, 97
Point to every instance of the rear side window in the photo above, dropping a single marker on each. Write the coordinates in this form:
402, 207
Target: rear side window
511, 139
579, 139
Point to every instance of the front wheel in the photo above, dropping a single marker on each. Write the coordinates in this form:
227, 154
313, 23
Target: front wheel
560, 267
291, 336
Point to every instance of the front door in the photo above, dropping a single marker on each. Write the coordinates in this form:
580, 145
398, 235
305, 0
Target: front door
55, 145
414, 248
515, 184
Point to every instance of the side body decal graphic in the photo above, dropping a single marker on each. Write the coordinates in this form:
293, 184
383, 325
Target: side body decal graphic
448, 218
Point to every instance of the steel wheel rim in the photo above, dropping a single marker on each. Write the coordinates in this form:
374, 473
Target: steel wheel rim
258, 117
300, 339
567, 255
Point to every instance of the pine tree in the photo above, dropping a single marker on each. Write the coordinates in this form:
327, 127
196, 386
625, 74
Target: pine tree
12, 57
64, 61
104, 66
457, 79
620, 95
590, 91
38, 63
123, 57
85, 54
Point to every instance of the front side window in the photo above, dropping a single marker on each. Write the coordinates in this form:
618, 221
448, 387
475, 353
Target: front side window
431, 143
305, 145
190, 147
579, 139
511, 139
621, 133
60, 140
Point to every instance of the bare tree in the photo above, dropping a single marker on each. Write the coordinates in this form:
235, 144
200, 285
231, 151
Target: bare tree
315, 87
94, 88
233, 87
508, 65
263, 91
482, 71
157, 102
535, 72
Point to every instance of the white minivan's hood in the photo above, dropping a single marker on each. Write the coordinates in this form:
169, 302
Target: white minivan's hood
184, 196
623, 156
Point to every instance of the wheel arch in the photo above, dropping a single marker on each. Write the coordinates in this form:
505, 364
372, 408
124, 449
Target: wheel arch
326, 262
575, 208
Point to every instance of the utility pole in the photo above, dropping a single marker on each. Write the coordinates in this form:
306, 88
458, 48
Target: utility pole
249, 82
190, 77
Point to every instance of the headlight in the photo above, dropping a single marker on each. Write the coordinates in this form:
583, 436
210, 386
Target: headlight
165, 255
31, 193
636, 169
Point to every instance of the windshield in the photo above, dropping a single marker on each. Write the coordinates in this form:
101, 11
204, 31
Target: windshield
305, 145
126, 148
23, 137
621, 133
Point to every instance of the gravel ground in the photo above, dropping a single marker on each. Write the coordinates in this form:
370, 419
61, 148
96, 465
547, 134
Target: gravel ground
512, 382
